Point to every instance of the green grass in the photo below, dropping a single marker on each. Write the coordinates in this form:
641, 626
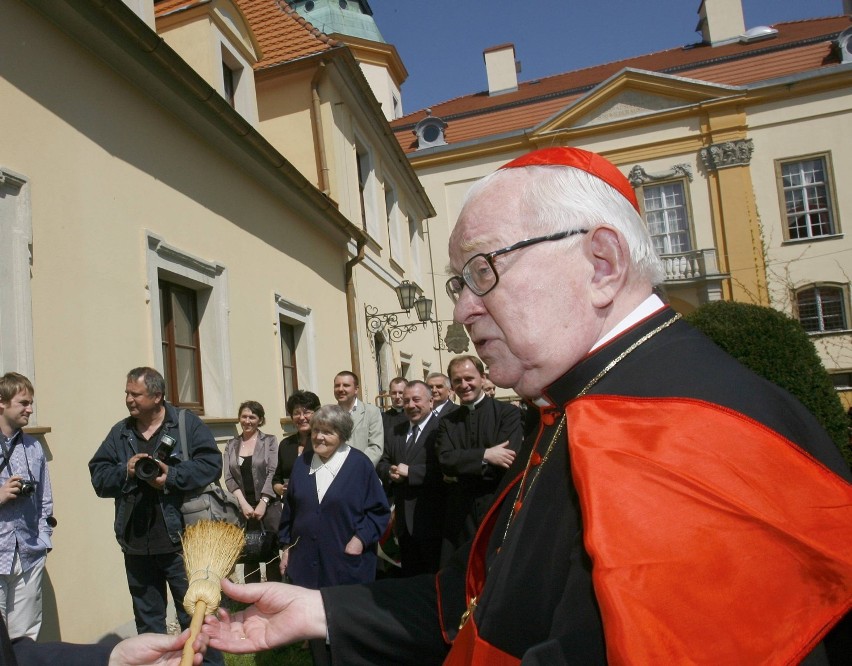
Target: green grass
292, 655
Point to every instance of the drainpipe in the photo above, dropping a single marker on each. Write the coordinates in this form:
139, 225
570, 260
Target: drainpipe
351, 301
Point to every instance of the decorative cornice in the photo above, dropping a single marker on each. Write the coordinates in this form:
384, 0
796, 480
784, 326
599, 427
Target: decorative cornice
728, 154
638, 176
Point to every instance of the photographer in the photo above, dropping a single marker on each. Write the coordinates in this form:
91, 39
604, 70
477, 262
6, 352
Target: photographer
140, 465
26, 508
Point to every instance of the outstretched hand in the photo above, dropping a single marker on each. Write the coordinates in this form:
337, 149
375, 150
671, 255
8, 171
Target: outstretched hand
280, 614
153, 649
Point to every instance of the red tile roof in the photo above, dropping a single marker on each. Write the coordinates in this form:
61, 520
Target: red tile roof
282, 34
799, 46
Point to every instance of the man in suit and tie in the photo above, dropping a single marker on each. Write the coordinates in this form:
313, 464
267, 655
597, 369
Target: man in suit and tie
396, 412
368, 433
476, 444
442, 392
409, 465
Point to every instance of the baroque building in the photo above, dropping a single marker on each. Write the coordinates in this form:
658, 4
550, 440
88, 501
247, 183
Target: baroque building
737, 146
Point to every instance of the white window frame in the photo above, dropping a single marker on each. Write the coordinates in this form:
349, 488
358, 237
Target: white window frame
245, 98
827, 184
210, 281
415, 244
16, 312
392, 214
300, 316
370, 219
668, 233
844, 304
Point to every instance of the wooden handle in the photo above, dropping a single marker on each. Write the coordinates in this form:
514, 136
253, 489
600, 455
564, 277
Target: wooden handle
194, 628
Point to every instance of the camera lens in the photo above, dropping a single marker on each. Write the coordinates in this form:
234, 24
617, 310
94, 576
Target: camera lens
27, 488
146, 469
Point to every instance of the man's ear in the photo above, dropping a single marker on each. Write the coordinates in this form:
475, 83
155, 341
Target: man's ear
611, 261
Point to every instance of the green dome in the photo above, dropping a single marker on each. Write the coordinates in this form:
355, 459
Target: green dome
346, 17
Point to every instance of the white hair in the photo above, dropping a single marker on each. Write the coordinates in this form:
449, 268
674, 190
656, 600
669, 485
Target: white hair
563, 198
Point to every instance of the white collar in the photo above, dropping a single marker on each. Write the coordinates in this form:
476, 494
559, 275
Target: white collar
333, 464
644, 310
422, 424
471, 406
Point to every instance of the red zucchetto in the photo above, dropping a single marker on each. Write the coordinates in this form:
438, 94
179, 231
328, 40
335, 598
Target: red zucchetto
589, 162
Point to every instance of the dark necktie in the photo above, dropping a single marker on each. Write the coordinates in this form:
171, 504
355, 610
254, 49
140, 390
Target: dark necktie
412, 438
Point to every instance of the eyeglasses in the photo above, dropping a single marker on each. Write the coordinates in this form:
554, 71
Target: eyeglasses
479, 272
302, 413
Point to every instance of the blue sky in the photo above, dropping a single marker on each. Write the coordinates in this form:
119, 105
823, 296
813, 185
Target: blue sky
441, 41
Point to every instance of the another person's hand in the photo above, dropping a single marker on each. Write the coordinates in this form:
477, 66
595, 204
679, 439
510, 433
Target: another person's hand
402, 470
10, 489
285, 558
157, 649
280, 614
499, 455
279, 489
354, 547
259, 510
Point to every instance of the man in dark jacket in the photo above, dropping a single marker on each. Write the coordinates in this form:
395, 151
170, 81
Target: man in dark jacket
141, 465
476, 445
409, 468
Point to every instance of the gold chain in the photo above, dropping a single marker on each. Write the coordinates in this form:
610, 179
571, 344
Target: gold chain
518, 499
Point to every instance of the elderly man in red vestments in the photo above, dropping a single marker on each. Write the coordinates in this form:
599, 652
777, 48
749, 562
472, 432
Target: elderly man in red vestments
672, 507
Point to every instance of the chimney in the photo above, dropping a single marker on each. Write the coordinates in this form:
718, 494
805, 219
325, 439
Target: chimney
720, 21
501, 68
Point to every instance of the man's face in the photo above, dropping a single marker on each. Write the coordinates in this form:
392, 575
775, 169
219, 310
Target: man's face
17, 412
139, 402
488, 388
345, 389
538, 321
396, 393
440, 392
467, 382
418, 403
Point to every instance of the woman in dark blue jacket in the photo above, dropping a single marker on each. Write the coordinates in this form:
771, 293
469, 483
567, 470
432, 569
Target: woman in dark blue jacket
334, 514
335, 510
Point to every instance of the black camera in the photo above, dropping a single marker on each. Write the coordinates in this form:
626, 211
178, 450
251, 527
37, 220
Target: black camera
28, 487
147, 468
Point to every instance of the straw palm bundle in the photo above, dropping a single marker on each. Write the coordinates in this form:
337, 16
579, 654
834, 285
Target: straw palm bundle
210, 550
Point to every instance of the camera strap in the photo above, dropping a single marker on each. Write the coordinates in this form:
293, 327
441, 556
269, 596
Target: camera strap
182, 433
7, 452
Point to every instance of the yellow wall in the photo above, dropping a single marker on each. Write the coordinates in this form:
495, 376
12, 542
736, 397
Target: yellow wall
105, 164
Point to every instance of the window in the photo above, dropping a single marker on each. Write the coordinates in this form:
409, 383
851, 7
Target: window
16, 232
415, 242
288, 359
821, 308
181, 349
230, 84
666, 217
394, 228
842, 380
192, 294
807, 198
295, 328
